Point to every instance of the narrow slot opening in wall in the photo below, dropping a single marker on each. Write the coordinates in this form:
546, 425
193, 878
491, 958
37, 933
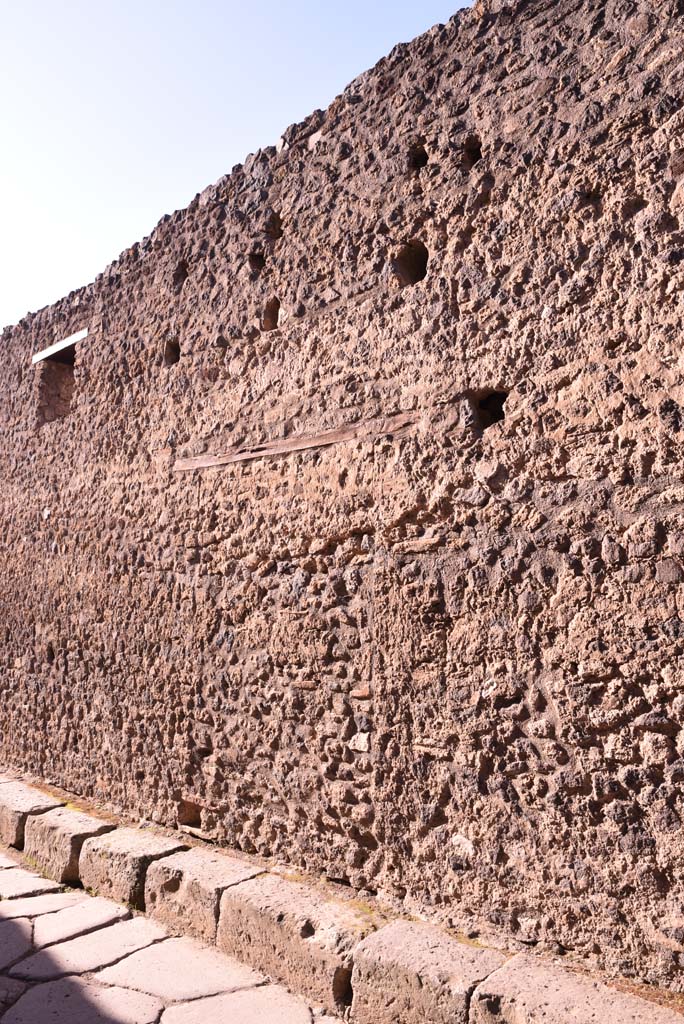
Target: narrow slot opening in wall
189, 814
271, 317
472, 152
172, 352
410, 264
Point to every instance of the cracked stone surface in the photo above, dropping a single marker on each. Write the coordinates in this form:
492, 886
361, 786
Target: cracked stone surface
100, 969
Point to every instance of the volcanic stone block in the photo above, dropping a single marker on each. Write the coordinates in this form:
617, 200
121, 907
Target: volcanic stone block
54, 840
295, 934
155, 970
251, 1006
16, 883
184, 890
89, 952
415, 972
115, 864
526, 991
82, 1002
84, 917
17, 802
15, 941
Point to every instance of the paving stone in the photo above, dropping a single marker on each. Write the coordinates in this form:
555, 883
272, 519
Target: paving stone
34, 906
54, 840
255, 1006
115, 864
10, 990
6, 862
184, 890
293, 933
17, 802
84, 917
415, 972
204, 971
72, 1001
15, 882
15, 941
528, 991
89, 952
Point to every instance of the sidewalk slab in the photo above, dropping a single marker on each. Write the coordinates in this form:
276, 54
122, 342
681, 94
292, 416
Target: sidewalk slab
10, 990
115, 864
78, 920
72, 1001
89, 952
17, 802
35, 906
54, 840
15, 941
155, 970
293, 933
184, 890
415, 972
266, 1005
527, 991
15, 883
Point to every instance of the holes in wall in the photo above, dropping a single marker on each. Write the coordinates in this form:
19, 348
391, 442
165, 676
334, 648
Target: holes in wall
410, 264
307, 930
342, 987
180, 276
417, 158
189, 814
56, 385
172, 352
257, 262
271, 317
472, 152
488, 407
273, 226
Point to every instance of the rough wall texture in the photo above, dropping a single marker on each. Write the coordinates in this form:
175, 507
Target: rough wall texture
393, 636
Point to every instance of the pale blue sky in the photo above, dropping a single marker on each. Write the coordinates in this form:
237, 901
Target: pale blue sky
112, 115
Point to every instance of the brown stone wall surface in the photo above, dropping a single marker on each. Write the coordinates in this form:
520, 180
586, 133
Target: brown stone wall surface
274, 566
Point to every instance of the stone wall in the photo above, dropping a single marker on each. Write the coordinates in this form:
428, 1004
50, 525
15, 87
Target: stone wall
359, 542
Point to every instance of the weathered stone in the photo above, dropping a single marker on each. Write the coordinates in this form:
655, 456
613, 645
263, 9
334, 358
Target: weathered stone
77, 920
255, 1006
354, 536
184, 890
72, 1001
10, 990
293, 933
54, 840
7, 862
89, 952
17, 801
35, 906
16, 883
411, 973
15, 941
115, 864
527, 991
180, 969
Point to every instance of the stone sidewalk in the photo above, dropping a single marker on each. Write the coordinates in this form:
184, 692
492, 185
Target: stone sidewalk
70, 958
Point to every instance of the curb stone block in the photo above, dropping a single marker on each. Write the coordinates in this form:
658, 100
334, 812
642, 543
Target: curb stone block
115, 864
295, 934
184, 890
527, 991
17, 802
54, 840
414, 972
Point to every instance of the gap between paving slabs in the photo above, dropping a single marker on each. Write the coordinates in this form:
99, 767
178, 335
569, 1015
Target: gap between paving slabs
342, 957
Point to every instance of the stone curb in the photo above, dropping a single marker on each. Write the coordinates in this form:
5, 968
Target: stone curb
331, 950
